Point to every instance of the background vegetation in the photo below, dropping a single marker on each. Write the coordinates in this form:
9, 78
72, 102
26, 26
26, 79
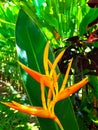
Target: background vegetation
58, 20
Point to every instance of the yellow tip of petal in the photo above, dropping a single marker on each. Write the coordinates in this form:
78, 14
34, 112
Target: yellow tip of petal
56, 62
45, 58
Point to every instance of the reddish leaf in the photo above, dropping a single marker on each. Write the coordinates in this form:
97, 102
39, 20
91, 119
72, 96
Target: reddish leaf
93, 3
93, 37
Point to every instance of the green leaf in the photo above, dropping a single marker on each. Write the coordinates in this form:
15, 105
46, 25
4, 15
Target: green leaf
89, 17
30, 47
94, 82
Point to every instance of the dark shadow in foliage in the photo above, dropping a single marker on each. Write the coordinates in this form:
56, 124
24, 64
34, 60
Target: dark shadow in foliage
93, 3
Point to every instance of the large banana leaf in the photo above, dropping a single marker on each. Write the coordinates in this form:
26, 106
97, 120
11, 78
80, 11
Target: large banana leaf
30, 46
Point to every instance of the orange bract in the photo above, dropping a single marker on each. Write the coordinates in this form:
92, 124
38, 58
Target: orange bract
37, 111
50, 80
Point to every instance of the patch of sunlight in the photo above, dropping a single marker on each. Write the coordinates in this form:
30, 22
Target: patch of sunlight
32, 126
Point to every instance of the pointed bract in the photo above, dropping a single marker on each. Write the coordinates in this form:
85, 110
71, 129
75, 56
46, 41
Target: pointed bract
72, 89
36, 111
36, 75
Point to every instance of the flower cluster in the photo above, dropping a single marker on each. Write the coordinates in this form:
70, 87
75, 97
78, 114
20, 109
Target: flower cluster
55, 93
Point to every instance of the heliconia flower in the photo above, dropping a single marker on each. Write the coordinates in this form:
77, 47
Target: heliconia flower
50, 80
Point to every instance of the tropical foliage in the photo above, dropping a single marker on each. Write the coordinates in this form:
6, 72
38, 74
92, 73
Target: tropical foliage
70, 26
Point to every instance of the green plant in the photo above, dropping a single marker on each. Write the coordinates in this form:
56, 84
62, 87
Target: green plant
56, 20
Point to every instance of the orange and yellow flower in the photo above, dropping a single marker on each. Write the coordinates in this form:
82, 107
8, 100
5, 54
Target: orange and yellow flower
50, 80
